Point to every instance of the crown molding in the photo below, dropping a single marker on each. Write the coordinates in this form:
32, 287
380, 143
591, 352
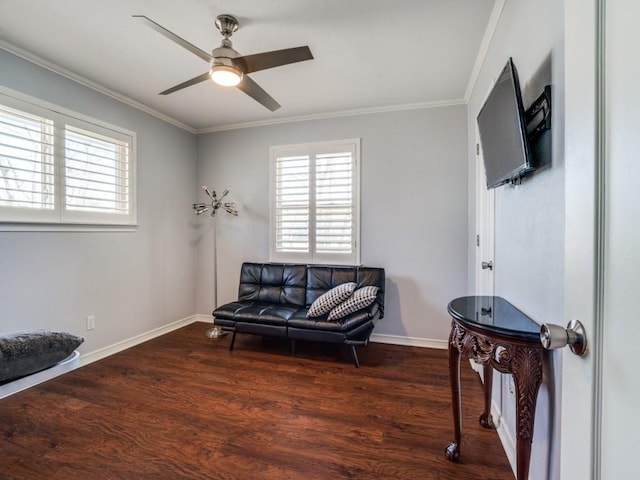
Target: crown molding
343, 113
494, 18
41, 62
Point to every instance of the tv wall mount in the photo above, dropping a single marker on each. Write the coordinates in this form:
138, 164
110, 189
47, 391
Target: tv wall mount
538, 127
538, 115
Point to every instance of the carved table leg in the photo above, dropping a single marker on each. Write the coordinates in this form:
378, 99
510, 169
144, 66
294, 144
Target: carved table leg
485, 419
527, 373
452, 451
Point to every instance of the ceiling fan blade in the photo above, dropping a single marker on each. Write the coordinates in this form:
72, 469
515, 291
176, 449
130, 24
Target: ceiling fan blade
188, 83
256, 92
175, 38
276, 58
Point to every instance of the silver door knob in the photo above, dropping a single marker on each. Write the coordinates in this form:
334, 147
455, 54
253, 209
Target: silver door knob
487, 265
554, 336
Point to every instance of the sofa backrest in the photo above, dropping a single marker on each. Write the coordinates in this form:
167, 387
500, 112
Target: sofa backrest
300, 284
273, 283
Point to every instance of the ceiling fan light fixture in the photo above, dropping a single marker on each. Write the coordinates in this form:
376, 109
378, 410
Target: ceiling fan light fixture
225, 75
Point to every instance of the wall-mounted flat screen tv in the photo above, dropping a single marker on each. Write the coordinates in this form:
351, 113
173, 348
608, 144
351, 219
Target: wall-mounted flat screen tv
503, 134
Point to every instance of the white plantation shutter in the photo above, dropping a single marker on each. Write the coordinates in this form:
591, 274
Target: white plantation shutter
27, 177
292, 204
96, 173
57, 168
315, 203
334, 203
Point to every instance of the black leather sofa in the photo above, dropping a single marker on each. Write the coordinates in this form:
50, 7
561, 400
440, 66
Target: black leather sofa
273, 300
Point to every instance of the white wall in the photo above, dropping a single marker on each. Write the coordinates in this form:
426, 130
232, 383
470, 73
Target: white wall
132, 282
414, 208
529, 219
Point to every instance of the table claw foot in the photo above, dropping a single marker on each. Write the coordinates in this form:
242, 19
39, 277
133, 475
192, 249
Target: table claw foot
486, 420
452, 452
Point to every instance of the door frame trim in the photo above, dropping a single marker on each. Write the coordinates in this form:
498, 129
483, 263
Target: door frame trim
597, 336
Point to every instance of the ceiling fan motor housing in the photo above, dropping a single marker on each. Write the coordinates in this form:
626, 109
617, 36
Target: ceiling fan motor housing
221, 53
224, 56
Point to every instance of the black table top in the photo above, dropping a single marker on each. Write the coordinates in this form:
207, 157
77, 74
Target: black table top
494, 315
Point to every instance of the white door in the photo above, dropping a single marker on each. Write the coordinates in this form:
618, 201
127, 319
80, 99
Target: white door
621, 327
485, 208
579, 421
601, 391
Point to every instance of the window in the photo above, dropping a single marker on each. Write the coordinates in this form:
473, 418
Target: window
315, 203
58, 168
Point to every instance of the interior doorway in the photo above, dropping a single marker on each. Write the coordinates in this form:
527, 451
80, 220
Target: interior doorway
485, 228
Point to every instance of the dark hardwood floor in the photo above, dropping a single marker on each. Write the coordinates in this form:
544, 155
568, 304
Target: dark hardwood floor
182, 406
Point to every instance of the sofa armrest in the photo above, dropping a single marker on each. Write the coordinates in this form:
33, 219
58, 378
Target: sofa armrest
369, 313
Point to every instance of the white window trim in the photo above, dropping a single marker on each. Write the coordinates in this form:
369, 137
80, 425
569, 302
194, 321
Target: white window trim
38, 220
315, 148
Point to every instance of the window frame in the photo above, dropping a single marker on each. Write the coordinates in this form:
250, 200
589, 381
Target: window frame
313, 149
60, 218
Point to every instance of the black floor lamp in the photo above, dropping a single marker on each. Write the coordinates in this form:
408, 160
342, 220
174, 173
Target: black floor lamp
200, 208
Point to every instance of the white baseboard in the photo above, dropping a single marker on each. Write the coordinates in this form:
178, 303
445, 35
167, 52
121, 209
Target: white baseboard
75, 362
508, 443
376, 337
201, 317
409, 341
101, 353
90, 357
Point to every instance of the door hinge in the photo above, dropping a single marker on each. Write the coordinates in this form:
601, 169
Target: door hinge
477, 240
477, 149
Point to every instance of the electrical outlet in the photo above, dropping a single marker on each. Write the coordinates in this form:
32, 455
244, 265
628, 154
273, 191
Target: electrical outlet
91, 322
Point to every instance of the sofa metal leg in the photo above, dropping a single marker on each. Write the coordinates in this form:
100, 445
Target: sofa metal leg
233, 340
355, 356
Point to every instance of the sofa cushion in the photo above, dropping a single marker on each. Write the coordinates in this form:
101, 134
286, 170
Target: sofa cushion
322, 278
331, 299
344, 324
258, 312
361, 298
24, 353
273, 283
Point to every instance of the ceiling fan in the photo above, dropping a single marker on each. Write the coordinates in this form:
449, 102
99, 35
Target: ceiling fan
227, 67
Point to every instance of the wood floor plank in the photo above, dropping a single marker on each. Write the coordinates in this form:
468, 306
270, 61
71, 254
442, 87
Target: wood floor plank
182, 406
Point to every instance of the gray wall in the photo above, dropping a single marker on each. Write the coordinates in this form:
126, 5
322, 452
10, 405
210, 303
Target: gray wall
414, 208
132, 282
529, 219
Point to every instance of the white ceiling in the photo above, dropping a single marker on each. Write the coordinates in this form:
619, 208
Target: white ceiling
369, 55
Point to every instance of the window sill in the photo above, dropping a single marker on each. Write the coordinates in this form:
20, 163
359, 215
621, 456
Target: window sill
65, 227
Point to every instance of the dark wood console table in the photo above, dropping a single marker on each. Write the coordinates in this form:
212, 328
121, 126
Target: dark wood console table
497, 335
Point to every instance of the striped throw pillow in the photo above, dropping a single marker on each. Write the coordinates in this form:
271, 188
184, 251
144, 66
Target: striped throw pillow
330, 299
361, 298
